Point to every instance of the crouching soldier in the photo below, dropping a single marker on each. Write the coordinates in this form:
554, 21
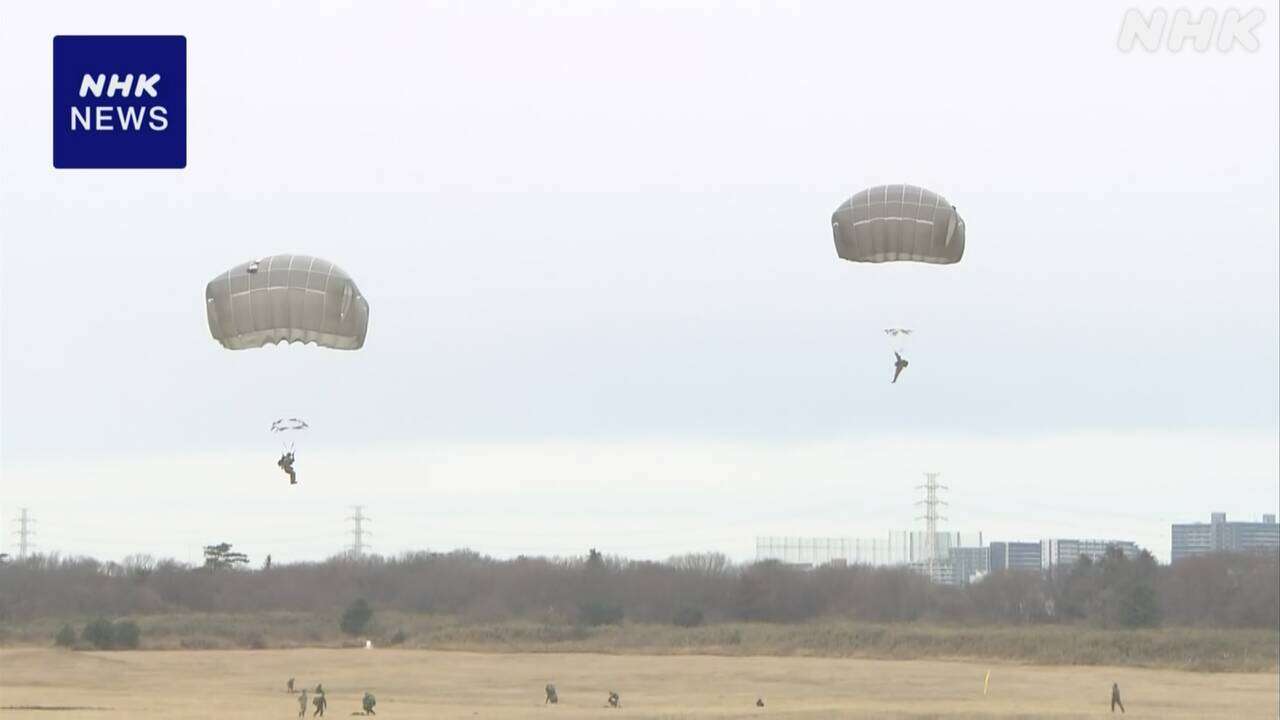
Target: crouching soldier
551, 695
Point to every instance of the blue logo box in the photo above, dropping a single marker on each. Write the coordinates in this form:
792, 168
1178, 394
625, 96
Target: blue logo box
120, 101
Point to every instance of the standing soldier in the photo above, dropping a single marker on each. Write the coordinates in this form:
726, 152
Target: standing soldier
302, 703
368, 702
319, 702
289, 686
1115, 698
551, 695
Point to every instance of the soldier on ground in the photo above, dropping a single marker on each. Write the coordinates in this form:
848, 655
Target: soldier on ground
368, 702
1115, 698
759, 702
551, 695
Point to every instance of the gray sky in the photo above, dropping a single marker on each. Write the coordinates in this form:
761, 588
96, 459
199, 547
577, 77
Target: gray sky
606, 307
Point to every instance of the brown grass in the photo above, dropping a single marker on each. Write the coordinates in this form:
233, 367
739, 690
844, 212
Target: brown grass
1203, 649
245, 684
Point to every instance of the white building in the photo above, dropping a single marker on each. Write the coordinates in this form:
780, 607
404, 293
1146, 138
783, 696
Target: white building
1068, 551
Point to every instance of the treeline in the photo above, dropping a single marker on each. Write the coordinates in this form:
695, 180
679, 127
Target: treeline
1212, 591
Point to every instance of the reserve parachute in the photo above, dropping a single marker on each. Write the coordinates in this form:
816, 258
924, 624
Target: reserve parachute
286, 298
896, 223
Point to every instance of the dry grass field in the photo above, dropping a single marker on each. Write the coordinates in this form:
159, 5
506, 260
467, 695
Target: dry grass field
235, 684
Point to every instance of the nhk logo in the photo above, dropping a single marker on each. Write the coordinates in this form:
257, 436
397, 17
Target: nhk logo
119, 101
1155, 31
101, 117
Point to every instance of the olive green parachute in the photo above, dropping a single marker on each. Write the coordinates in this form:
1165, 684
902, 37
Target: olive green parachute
286, 298
891, 223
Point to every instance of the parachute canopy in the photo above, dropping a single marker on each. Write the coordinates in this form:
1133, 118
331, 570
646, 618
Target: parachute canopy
286, 298
891, 223
287, 424
898, 338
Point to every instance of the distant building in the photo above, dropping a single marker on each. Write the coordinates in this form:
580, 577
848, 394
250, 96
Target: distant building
1069, 551
939, 573
1014, 556
1218, 535
968, 563
893, 548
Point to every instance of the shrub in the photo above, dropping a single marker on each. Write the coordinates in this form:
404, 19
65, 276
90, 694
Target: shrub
356, 617
66, 637
99, 633
398, 638
688, 617
125, 634
104, 635
600, 612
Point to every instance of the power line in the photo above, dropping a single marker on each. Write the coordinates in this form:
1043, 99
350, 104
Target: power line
358, 546
25, 532
931, 518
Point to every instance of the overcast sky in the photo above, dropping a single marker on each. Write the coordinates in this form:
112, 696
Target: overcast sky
606, 309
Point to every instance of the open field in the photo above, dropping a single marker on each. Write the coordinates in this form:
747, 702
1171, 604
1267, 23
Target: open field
419, 684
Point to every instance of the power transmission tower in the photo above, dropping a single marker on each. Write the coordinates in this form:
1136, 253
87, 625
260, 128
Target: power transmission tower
25, 532
931, 518
358, 546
